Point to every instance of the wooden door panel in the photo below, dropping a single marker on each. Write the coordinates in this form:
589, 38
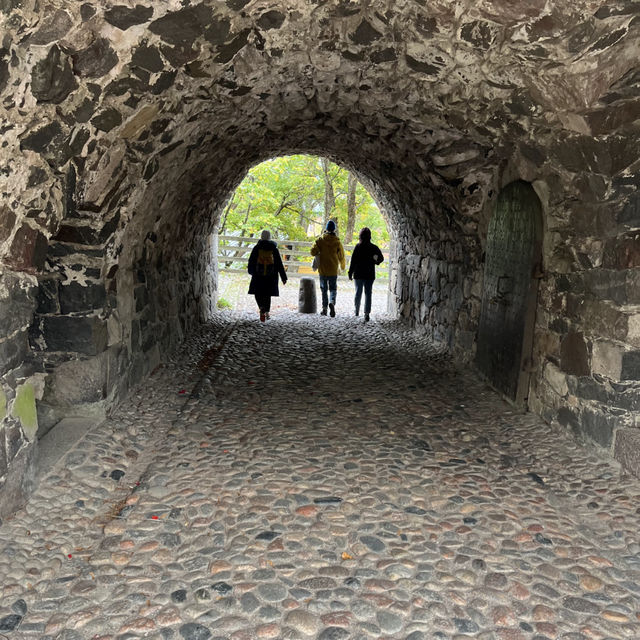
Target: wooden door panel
513, 252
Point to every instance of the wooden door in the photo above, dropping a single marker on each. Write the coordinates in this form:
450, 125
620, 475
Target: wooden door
513, 260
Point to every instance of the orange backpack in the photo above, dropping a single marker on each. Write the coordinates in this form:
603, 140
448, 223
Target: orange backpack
265, 262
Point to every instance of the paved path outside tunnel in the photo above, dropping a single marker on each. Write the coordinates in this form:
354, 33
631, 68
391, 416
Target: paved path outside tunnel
234, 286
325, 479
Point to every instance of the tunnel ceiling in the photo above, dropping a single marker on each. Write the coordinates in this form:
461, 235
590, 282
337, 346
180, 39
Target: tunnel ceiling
159, 107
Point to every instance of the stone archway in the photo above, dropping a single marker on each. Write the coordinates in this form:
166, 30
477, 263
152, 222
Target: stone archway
512, 266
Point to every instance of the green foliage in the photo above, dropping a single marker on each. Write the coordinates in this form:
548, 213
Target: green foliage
369, 216
24, 409
287, 196
223, 304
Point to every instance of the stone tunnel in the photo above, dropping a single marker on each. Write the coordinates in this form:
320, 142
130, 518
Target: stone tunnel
466, 469
501, 140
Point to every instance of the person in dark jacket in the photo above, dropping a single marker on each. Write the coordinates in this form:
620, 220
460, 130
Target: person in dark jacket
265, 264
364, 259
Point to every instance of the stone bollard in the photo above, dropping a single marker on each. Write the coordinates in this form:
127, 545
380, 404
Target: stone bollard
307, 296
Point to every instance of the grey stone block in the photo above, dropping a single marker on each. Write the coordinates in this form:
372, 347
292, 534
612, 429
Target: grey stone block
86, 234
52, 78
19, 481
141, 296
627, 449
75, 297
80, 387
598, 426
96, 60
568, 418
607, 359
307, 302
54, 26
589, 389
630, 366
59, 440
79, 381
630, 215
574, 355
16, 304
82, 334
123, 17
13, 351
47, 296
4, 463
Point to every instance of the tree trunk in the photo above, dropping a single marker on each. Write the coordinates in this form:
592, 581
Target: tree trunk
329, 196
352, 183
283, 204
238, 254
225, 215
244, 222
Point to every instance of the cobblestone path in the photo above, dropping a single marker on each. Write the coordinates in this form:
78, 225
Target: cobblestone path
320, 478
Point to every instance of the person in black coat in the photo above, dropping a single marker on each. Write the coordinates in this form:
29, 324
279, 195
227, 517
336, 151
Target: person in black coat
265, 264
364, 259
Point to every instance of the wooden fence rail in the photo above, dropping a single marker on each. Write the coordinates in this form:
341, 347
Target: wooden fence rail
233, 256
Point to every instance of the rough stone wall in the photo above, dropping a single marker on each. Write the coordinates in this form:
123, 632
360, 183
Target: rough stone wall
69, 332
20, 385
437, 285
126, 125
588, 340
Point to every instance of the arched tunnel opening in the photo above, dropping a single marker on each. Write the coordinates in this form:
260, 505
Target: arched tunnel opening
502, 144
292, 198
124, 298
118, 306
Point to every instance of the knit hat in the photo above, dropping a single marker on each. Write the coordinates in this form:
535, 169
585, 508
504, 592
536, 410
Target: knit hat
331, 226
265, 235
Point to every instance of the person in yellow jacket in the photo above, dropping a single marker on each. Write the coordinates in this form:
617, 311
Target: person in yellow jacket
331, 259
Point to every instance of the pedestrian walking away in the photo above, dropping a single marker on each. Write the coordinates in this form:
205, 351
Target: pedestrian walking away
265, 265
330, 252
362, 268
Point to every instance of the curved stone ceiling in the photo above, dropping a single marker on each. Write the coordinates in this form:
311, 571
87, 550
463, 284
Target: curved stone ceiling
416, 96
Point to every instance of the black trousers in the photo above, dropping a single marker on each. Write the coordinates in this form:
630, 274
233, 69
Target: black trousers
264, 302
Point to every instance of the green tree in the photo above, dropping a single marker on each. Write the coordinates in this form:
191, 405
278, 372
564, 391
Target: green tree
293, 197
273, 195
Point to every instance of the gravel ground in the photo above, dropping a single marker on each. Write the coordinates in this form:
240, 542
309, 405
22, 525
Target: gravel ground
233, 288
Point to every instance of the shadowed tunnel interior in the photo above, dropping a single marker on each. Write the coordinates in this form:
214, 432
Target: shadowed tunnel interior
127, 126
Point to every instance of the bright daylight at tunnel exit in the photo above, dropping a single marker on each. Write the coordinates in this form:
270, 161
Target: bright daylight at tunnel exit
293, 198
319, 320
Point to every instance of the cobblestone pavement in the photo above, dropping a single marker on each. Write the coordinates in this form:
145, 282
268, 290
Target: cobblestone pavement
320, 478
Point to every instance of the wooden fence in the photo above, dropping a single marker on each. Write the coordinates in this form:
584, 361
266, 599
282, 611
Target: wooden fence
234, 251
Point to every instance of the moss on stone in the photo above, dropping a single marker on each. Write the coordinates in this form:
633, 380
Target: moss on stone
3, 405
24, 409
